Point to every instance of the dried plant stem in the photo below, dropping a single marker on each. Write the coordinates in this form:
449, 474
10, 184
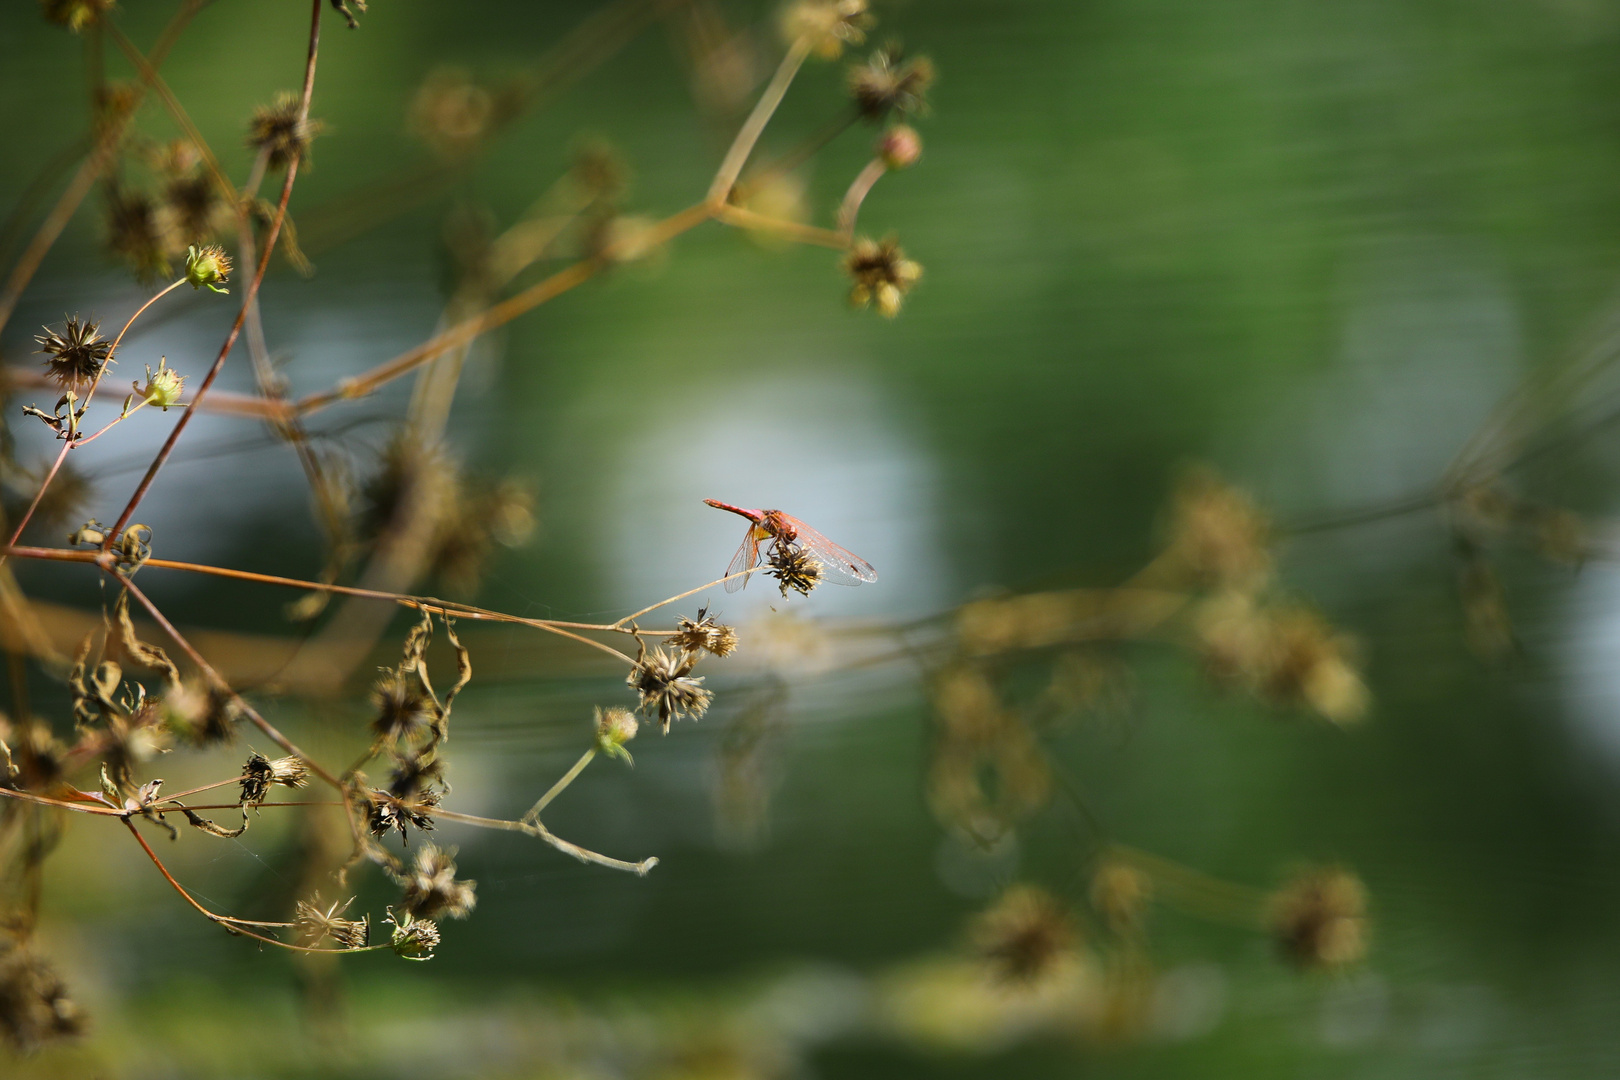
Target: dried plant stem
35, 192
213, 676
794, 157
69, 444
85, 178
150, 76
504, 312
250, 293
533, 816
538, 830
424, 603
235, 926
805, 234
1199, 893
737, 156
682, 596
497, 316
859, 188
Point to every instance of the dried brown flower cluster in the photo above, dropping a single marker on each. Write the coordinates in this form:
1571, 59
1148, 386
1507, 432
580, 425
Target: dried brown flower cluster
260, 774
827, 25
417, 516
986, 772
795, 569
76, 356
315, 925
703, 633
1285, 654
35, 1008
1024, 934
282, 132
418, 495
432, 890
1319, 919
882, 273
667, 687
888, 83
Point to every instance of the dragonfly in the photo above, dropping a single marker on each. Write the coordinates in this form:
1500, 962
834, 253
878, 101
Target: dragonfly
842, 567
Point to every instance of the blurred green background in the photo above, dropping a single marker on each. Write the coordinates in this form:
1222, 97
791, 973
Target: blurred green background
1310, 243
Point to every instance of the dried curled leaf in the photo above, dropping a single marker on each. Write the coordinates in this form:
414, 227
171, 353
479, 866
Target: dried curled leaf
143, 654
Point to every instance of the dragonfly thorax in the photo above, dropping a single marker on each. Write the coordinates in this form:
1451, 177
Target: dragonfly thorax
777, 524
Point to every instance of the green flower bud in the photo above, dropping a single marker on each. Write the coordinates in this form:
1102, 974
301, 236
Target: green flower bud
208, 265
163, 386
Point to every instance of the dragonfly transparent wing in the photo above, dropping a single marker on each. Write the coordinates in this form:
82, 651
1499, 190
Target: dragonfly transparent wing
746, 557
843, 566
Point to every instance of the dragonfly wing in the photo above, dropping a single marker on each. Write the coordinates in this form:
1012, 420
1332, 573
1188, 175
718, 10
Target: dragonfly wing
746, 557
843, 566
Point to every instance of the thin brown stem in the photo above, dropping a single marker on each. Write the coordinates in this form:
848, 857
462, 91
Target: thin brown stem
235, 926
69, 444
218, 680
426, 603
737, 156
682, 596
538, 830
794, 157
85, 178
859, 188
533, 816
805, 234
252, 288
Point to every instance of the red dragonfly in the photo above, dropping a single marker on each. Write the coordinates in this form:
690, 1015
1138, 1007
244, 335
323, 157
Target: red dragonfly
842, 567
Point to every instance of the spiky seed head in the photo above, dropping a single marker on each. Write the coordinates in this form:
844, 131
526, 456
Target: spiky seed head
882, 274
75, 356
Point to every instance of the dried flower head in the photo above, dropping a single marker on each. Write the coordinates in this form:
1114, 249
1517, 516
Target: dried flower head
1312, 665
614, 727
198, 208
889, 83
1023, 934
260, 773
208, 265
36, 758
664, 681
703, 633
1121, 893
77, 355
75, 14
386, 812
202, 714
828, 25
281, 131
882, 273
314, 925
431, 888
794, 568
451, 113
1288, 655
163, 387
412, 483
63, 501
404, 711
1319, 919
478, 516
415, 775
413, 938
1217, 535
141, 232
34, 1006
899, 147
